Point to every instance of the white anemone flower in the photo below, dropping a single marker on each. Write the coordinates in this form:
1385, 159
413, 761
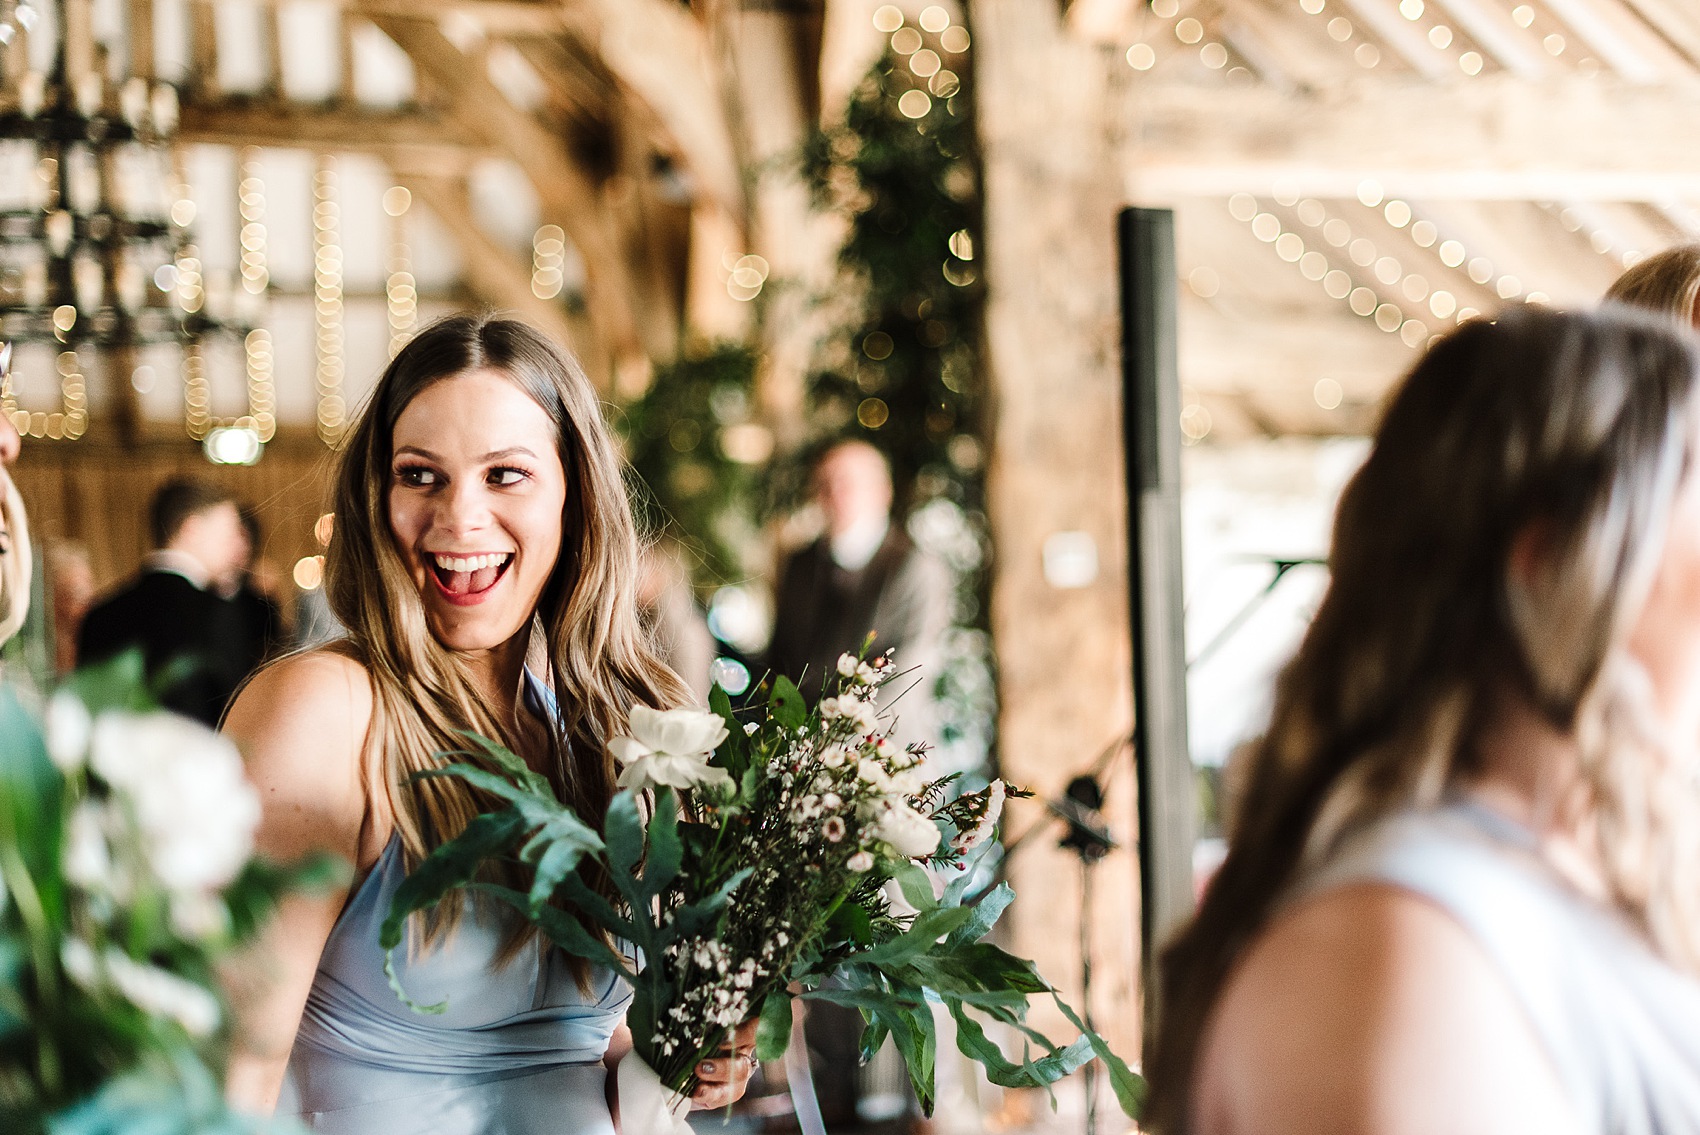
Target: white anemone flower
904, 830
671, 747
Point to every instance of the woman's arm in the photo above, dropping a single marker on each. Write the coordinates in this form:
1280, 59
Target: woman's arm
1370, 1011
301, 726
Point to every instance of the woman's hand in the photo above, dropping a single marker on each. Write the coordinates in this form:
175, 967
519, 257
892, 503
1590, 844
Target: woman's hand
722, 1079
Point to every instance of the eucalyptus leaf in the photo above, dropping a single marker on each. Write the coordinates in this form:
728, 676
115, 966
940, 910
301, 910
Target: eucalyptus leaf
917, 886
562, 929
972, 1041
666, 853
788, 707
922, 935
1129, 1085
773, 1030
622, 833
986, 914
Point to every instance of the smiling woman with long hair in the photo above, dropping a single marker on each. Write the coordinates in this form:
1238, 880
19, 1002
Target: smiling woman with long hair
485, 561
1463, 892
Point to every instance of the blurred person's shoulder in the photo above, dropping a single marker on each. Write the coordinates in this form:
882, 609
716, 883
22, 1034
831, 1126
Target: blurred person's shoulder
1369, 1008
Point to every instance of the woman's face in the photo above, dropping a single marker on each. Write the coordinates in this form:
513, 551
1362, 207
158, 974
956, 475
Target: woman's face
476, 496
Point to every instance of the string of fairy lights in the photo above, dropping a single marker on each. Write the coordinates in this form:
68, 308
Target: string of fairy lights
1414, 293
401, 291
329, 363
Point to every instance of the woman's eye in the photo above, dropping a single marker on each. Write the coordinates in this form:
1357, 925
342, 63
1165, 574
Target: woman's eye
415, 475
506, 475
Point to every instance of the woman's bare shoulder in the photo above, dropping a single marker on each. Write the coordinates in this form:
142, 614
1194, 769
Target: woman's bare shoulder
1370, 1009
301, 724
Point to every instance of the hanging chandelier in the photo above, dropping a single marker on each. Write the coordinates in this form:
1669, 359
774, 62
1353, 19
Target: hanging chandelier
95, 242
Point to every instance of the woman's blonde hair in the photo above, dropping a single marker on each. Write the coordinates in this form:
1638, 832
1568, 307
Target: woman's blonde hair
15, 561
600, 661
1575, 431
1667, 282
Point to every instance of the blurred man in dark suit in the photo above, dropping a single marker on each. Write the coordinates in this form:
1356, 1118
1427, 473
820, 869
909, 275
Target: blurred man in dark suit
173, 609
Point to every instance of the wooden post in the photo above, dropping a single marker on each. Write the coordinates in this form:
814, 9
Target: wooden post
1054, 484
203, 49
141, 39
1151, 429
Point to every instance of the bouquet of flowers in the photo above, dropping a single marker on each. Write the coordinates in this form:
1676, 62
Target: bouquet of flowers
776, 842
126, 873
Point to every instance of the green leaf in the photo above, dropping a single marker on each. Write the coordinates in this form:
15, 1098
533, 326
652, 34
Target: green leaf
850, 923
696, 918
1129, 1085
972, 1042
119, 682
559, 859
562, 928
787, 705
449, 866
622, 832
512, 764
773, 1030
986, 914
597, 908
31, 791
923, 935
666, 852
912, 1031
917, 886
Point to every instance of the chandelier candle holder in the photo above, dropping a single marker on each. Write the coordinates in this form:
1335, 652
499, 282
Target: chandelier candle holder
96, 253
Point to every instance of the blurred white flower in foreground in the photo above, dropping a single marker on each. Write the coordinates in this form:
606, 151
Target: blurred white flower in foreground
67, 727
671, 747
195, 809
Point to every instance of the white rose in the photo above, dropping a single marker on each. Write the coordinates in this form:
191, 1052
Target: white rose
67, 726
671, 747
904, 830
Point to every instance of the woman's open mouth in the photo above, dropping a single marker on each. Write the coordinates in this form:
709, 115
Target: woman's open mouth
465, 580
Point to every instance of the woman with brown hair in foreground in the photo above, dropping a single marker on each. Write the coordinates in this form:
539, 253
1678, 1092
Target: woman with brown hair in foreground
1464, 889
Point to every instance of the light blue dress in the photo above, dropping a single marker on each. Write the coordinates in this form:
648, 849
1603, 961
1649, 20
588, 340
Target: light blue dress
517, 1051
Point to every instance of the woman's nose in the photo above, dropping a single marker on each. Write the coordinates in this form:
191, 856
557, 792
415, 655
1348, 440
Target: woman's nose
465, 507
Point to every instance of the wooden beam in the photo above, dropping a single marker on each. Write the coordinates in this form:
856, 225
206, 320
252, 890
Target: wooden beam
491, 270
569, 198
410, 141
661, 52
1493, 138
